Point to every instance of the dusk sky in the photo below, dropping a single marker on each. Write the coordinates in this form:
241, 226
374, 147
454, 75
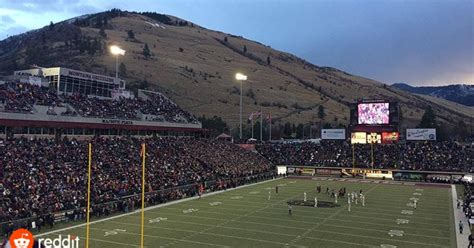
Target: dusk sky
422, 42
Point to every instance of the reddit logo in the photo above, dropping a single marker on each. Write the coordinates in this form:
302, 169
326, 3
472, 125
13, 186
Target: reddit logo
21, 238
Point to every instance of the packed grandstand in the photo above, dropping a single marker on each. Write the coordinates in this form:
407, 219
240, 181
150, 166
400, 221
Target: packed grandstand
21, 97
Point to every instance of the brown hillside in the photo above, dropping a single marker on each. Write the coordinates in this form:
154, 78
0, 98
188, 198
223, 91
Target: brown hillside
195, 67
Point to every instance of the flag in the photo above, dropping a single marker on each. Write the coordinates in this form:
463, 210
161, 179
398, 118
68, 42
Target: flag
254, 114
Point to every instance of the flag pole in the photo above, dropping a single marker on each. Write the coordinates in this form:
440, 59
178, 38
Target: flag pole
88, 193
353, 159
270, 123
261, 125
143, 194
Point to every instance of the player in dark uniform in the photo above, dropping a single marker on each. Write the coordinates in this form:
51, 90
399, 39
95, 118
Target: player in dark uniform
276, 189
289, 209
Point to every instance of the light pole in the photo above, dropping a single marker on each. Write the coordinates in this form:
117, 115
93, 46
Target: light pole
240, 77
115, 50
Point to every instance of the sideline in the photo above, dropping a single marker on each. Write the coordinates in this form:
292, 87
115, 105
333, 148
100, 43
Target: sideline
462, 240
155, 207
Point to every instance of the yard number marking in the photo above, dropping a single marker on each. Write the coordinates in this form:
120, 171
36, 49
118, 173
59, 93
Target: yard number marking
156, 220
215, 203
402, 221
114, 232
408, 212
190, 210
398, 233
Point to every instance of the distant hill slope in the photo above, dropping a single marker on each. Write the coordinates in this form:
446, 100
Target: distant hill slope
195, 67
460, 93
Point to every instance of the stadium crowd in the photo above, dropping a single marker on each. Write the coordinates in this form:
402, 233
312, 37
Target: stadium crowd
439, 156
43, 176
20, 98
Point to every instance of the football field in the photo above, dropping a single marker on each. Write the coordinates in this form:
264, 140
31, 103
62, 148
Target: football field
245, 217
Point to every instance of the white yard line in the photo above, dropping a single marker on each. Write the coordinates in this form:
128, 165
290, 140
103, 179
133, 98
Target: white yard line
153, 207
462, 240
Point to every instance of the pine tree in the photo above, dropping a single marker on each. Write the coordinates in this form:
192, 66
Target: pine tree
268, 60
321, 112
102, 32
130, 34
51, 25
122, 69
428, 120
146, 51
245, 48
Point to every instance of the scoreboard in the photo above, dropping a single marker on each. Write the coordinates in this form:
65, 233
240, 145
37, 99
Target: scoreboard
374, 122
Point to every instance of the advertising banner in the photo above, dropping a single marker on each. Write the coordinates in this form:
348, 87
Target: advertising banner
333, 134
390, 137
359, 138
421, 134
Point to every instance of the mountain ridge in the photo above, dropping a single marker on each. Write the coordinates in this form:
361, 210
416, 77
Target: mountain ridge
194, 66
459, 93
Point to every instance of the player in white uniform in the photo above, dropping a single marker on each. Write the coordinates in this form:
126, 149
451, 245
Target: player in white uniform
315, 202
414, 203
362, 198
349, 203
304, 196
335, 197
269, 194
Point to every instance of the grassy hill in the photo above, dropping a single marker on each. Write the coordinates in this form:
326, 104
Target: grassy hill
195, 67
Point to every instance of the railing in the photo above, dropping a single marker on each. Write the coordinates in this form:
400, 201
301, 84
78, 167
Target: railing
129, 203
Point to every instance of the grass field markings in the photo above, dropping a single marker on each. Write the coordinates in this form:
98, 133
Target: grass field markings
223, 227
402, 221
190, 210
356, 210
151, 208
161, 237
373, 237
322, 222
387, 246
236, 197
157, 220
254, 192
114, 232
398, 233
205, 231
307, 222
407, 212
339, 241
369, 207
109, 242
215, 203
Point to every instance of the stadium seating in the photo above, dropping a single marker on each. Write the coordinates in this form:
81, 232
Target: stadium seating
437, 156
21, 98
43, 176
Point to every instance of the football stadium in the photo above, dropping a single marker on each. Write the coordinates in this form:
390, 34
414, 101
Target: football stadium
98, 155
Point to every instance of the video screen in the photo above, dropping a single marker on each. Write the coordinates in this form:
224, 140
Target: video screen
373, 113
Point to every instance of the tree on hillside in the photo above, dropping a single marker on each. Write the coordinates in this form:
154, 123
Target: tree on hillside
102, 32
268, 60
131, 34
300, 131
428, 120
122, 69
225, 39
245, 48
51, 25
287, 129
146, 51
321, 112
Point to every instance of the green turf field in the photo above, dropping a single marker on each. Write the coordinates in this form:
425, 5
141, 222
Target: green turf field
246, 218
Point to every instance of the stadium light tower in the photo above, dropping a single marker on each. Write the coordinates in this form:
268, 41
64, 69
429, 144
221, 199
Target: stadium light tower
240, 77
115, 50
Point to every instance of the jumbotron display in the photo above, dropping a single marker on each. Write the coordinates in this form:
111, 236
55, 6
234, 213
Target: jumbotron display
373, 113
